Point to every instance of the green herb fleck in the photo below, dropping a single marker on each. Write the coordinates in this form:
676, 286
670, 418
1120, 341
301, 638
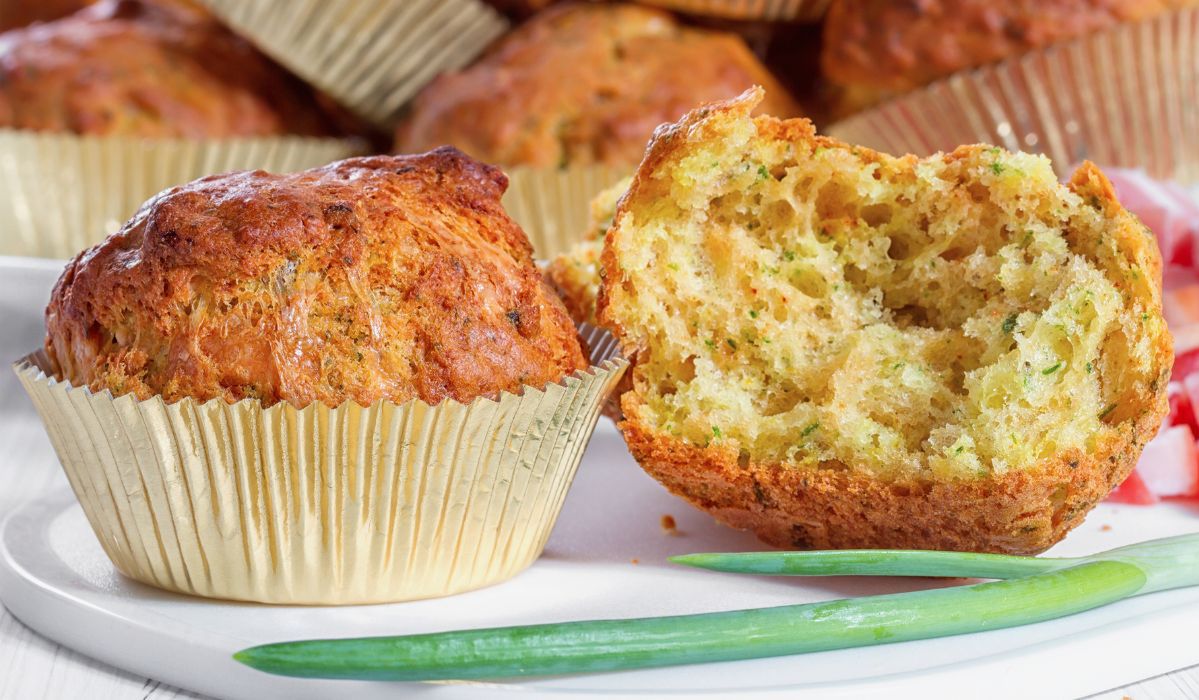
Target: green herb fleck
1009, 324
710, 343
810, 429
753, 313
1110, 407
788, 255
763, 172
959, 449
1089, 368
715, 432
673, 266
996, 167
732, 343
1051, 370
1144, 317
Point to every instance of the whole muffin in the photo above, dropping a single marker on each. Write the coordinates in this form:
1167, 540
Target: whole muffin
877, 48
151, 69
583, 84
835, 347
375, 278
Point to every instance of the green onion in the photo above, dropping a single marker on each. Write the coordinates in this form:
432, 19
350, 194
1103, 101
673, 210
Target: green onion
1051, 370
610, 645
876, 562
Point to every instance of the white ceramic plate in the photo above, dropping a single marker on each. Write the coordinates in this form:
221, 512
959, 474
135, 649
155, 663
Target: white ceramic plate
55, 578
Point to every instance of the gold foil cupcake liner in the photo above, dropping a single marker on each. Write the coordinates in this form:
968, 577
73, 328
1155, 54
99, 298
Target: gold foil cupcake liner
770, 10
1124, 97
553, 206
63, 193
323, 505
371, 56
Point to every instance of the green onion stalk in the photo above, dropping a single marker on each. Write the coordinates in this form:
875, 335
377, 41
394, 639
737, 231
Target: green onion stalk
1029, 590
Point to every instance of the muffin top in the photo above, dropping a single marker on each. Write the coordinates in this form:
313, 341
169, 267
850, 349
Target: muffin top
881, 46
151, 69
581, 84
389, 277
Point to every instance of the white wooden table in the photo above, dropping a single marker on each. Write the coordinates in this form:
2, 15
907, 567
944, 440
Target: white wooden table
32, 666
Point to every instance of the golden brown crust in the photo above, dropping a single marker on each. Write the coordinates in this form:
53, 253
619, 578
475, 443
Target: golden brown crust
371, 278
582, 84
152, 69
880, 47
833, 505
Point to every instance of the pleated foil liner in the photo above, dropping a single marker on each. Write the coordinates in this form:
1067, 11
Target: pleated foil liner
63, 193
1124, 97
370, 55
553, 206
323, 505
770, 10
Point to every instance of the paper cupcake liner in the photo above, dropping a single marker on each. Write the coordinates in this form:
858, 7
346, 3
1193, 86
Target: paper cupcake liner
63, 193
771, 10
370, 56
553, 206
1124, 97
323, 505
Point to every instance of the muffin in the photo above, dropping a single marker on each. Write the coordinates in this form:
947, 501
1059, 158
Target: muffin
834, 347
876, 48
571, 98
148, 69
343, 385
18, 13
582, 84
385, 278
575, 274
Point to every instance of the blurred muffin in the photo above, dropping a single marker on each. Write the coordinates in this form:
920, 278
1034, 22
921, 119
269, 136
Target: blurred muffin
371, 278
877, 48
583, 84
18, 13
150, 69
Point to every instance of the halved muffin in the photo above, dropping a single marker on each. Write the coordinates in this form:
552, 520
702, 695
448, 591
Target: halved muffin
835, 347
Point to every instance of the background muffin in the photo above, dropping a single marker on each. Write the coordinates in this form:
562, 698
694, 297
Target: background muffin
583, 84
371, 278
152, 69
877, 48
